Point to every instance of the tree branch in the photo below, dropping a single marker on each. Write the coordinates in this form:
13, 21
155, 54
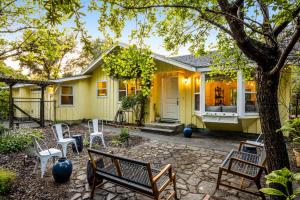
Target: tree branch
202, 16
287, 50
18, 29
284, 24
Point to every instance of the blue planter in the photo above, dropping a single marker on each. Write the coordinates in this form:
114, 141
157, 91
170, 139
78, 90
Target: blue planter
62, 170
187, 132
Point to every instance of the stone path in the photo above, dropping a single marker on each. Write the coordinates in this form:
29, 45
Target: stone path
196, 170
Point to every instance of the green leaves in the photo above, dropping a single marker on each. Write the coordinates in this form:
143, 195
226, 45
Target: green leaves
43, 57
131, 63
283, 177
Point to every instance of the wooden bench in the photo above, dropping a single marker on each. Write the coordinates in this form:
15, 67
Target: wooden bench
245, 165
132, 174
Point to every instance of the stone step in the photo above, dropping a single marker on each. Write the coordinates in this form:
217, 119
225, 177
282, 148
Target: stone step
173, 126
159, 130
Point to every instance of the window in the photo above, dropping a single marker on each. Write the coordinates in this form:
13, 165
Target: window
220, 94
250, 97
102, 89
122, 89
66, 97
197, 93
127, 88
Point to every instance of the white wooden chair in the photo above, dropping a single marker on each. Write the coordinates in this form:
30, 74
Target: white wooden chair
59, 131
43, 154
94, 131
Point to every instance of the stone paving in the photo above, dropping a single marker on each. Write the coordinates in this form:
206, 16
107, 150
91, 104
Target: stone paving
196, 169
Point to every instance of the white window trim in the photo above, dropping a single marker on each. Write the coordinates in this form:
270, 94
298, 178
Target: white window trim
241, 91
107, 89
60, 95
197, 111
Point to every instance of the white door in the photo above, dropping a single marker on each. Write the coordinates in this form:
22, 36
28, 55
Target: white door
170, 103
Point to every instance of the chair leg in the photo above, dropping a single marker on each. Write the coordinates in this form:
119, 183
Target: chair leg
103, 143
257, 182
93, 187
36, 164
91, 141
219, 178
76, 147
65, 147
43, 166
174, 187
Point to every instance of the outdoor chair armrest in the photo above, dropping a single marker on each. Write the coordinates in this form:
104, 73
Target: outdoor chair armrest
242, 143
167, 168
245, 162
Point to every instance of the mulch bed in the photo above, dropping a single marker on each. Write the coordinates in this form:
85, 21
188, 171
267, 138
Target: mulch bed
30, 185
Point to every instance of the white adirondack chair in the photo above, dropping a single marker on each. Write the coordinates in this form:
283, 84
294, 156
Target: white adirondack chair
94, 131
43, 155
59, 135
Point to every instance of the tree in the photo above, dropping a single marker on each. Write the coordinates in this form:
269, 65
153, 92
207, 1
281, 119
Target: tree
18, 16
131, 63
44, 56
83, 58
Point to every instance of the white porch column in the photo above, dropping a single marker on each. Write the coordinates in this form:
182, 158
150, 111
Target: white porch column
240, 94
202, 93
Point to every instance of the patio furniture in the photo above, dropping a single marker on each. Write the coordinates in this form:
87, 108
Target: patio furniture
79, 142
43, 154
59, 131
245, 165
94, 131
133, 174
252, 149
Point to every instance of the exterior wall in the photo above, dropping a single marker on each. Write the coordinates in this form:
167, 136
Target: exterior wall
87, 105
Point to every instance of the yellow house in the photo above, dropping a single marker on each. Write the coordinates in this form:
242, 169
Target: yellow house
182, 91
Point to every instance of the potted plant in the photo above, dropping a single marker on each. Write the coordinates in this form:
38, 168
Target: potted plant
291, 129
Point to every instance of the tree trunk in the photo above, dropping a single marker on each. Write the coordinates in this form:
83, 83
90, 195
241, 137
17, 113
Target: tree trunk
267, 100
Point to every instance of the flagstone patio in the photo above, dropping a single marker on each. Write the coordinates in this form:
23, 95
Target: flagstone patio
196, 170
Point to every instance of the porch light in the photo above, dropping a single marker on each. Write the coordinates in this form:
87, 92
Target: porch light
186, 80
50, 89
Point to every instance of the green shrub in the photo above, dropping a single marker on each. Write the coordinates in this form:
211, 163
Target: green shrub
291, 128
3, 130
124, 135
17, 141
283, 177
7, 178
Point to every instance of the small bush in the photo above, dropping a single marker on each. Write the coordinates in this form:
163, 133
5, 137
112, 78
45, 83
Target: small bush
17, 141
7, 178
124, 135
3, 130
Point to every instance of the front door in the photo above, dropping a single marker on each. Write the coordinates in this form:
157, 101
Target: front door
170, 104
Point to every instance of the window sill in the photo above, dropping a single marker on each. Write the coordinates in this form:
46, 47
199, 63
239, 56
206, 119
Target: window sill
249, 116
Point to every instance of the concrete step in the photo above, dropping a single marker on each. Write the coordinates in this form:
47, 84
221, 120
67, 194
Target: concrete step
173, 126
158, 130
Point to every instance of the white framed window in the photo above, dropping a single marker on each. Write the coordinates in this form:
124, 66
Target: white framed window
102, 90
122, 89
250, 97
197, 93
66, 95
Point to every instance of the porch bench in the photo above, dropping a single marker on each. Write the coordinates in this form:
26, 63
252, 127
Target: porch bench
132, 174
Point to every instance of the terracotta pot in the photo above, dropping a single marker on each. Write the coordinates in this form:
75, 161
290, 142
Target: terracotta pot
297, 155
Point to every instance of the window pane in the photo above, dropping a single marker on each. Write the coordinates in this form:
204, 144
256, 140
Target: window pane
122, 94
220, 94
102, 85
122, 85
67, 90
250, 97
197, 102
102, 92
67, 100
197, 84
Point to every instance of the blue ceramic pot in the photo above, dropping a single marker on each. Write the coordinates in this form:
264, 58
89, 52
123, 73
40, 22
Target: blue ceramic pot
187, 132
62, 170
